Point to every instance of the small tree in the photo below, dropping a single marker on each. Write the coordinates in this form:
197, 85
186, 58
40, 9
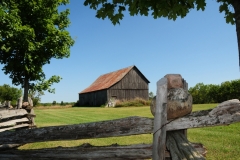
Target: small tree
8, 93
54, 103
31, 34
151, 95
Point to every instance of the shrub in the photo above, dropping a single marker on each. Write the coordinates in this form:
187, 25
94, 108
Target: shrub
132, 102
75, 104
54, 103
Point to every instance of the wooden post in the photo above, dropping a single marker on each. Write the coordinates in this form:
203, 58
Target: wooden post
185, 87
19, 103
9, 104
160, 119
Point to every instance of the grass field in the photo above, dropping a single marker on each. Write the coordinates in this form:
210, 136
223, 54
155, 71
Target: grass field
222, 142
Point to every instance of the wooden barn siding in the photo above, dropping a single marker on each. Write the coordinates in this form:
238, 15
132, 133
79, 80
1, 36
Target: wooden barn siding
128, 93
131, 86
133, 80
96, 98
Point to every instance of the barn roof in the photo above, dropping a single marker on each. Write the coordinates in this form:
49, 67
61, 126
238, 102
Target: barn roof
107, 80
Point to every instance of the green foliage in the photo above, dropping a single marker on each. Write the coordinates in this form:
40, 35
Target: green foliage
44, 85
46, 104
31, 34
151, 95
200, 93
161, 8
132, 102
54, 103
75, 104
35, 95
8, 93
215, 93
226, 7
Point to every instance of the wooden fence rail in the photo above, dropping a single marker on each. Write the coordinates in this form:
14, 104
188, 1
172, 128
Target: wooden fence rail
15, 119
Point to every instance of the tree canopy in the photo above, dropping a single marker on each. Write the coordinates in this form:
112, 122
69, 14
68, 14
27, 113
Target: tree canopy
32, 32
170, 9
212, 93
8, 93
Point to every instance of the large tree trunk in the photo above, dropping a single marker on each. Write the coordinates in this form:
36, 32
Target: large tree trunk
26, 88
236, 6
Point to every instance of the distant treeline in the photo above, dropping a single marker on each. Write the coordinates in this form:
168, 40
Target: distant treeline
54, 103
211, 93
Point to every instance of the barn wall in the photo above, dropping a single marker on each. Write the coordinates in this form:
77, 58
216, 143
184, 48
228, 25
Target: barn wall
128, 93
133, 80
131, 86
96, 98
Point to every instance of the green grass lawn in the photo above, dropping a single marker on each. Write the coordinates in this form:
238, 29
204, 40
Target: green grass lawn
222, 142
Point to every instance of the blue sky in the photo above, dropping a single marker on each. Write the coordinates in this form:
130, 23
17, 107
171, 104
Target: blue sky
201, 47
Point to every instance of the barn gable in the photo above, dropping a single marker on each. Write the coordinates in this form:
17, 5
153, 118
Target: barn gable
126, 83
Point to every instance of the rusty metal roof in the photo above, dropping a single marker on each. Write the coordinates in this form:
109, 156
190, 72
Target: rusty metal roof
107, 80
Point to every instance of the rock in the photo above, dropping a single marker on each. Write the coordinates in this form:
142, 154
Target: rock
174, 81
179, 103
25, 104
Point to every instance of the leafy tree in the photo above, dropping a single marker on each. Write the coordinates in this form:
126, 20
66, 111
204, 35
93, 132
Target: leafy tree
202, 93
54, 103
199, 93
170, 9
235, 85
32, 32
151, 95
8, 93
230, 90
213, 94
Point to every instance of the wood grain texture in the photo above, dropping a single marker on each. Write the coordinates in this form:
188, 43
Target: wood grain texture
87, 151
160, 119
13, 122
119, 127
4, 114
181, 148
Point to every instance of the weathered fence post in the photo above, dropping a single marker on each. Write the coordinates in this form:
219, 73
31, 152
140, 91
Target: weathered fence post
19, 103
160, 119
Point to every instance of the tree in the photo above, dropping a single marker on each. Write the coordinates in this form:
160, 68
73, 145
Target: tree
32, 32
202, 93
212, 93
8, 93
54, 103
170, 9
151, 95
